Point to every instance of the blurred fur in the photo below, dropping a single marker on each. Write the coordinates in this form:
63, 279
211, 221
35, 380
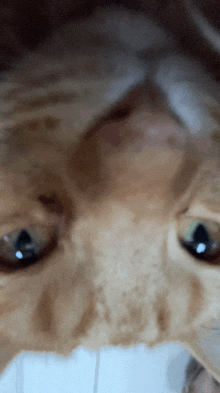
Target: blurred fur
111, 133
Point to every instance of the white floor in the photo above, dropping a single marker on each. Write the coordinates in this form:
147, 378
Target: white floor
134, 370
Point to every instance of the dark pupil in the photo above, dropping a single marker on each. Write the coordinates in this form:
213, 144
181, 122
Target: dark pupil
24, 246
200, 243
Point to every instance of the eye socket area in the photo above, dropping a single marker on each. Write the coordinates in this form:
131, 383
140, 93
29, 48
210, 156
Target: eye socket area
200, 238
27, 246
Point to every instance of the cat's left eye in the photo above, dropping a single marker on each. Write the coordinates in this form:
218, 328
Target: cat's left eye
26, 246
201, 238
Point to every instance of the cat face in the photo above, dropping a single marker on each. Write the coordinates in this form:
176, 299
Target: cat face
91, 233
109, 208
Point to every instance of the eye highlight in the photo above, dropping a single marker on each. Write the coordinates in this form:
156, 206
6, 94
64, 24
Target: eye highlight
24, 247
201, 238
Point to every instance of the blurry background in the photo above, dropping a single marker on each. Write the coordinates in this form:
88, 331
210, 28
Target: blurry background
110, 370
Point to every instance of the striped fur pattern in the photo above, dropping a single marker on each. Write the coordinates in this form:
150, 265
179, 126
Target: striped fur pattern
110, 134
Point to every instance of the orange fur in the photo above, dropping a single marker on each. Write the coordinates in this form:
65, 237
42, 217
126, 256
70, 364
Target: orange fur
116, 183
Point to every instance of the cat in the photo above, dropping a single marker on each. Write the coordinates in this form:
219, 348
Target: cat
110, 226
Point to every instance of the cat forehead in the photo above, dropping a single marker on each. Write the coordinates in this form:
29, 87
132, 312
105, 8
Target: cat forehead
44, 141
81, 64
124, 166
54, 101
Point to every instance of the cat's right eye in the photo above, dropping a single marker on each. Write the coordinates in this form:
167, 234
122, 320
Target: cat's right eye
201, 238
26, 246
